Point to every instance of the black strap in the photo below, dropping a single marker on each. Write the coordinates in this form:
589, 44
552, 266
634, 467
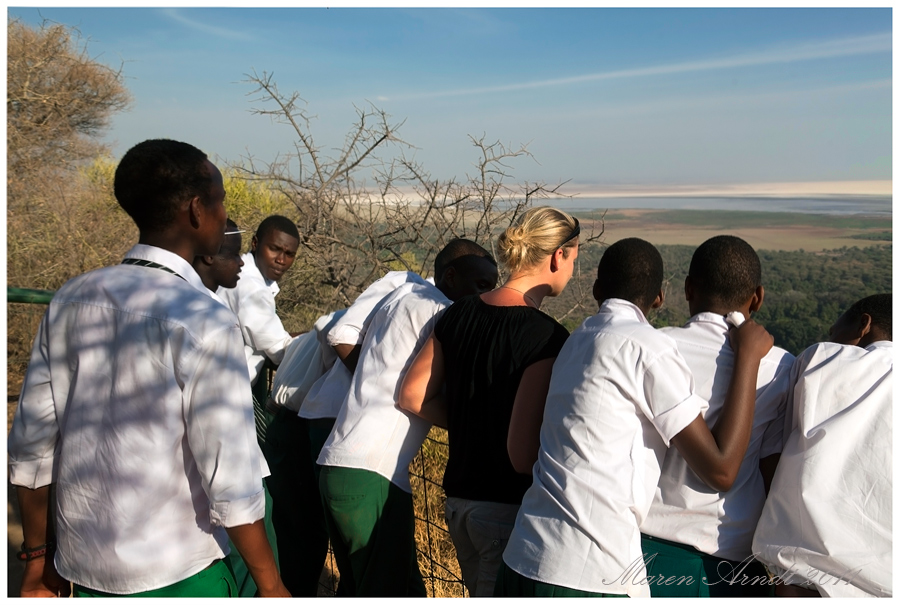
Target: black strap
149, 263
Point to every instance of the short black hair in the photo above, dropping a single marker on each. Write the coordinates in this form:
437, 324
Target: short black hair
631, 269
154, 177
276, 222
725, 269
455, 251
230, 225
878, 306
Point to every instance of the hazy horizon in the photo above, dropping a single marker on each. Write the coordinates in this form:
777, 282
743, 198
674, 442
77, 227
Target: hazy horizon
648, 99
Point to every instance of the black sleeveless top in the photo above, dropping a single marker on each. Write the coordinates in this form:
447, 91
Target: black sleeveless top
486, 349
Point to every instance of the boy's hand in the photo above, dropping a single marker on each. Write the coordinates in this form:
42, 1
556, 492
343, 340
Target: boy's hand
750, 339
41, 580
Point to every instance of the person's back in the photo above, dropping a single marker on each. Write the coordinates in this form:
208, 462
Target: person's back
619, 395
400, 327
364, 478
486, 350
134, 404
494, 353
690, 528
826, 526
152, 325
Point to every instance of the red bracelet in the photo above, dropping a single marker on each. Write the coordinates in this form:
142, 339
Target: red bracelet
28, 554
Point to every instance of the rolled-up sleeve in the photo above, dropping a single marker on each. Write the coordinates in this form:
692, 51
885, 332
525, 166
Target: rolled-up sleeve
220, 430
669, 391
35, 431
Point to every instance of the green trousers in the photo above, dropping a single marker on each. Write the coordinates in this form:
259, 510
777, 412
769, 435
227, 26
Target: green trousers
678, 570
246, 587
297, 514
214, 581
513, 584
372, 528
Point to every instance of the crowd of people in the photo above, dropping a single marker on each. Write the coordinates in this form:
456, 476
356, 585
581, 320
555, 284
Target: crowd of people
150, 457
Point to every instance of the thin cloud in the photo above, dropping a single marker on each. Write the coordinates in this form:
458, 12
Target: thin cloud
841, 47
178, 16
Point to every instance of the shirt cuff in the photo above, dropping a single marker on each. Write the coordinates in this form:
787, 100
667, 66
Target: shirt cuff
31, 473
345, 335
238, 512
675, 419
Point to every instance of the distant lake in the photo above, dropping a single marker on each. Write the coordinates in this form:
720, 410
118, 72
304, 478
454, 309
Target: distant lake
868, 205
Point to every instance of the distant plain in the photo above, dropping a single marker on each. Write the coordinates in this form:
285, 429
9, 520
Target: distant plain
763, 230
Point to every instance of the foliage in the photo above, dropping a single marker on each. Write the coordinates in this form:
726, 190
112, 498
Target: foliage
365, 208
805, 292
62, 219
58, 101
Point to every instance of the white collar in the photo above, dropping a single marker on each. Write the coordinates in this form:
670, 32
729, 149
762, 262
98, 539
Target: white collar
709, 317
250, 270
169, 260
620, 306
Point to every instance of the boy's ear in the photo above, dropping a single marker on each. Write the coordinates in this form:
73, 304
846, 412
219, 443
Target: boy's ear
756, 300
194, 211
688, 289
207, 260
449, 277
659, 300
865, 325
253, 244
595, 291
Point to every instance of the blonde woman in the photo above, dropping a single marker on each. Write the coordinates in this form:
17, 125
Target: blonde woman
494, 352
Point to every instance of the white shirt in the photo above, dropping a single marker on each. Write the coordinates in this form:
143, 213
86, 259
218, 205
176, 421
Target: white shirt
371, 432
136, 403
253, 301
618, 393
827, 520
305, 362
326, 395
685, 509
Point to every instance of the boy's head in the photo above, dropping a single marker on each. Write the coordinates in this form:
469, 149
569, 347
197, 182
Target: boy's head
724, 276
631, 269
222, 269
275, 246
165, 185
867, 321
462, 268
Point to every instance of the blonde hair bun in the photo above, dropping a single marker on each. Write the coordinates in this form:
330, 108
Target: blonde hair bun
535, 235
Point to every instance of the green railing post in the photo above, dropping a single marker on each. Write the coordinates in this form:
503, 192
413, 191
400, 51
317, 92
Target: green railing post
28, 295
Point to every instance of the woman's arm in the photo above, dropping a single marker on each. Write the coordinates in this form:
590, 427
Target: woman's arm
422, 391
524, 438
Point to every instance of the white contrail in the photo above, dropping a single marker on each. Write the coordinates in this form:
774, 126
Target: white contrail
222, 32
841, 47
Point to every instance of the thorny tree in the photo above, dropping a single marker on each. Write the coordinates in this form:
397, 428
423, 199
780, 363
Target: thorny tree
58, 100
366, 208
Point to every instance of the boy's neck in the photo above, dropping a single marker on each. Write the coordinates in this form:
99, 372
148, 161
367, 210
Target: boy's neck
178, 245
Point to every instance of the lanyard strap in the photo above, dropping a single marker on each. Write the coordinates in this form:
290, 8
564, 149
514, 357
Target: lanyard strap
149, 263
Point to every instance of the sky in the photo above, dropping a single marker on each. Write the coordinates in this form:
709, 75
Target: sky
606, 99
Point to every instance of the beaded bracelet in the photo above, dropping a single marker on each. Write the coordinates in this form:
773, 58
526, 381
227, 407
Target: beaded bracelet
28, 554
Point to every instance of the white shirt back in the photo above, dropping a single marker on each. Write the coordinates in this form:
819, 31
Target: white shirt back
371, 432
327, 394
136, 402
619, 392
828, 518
685, 509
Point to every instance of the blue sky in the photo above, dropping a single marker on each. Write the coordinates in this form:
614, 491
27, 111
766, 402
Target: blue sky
620, 97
